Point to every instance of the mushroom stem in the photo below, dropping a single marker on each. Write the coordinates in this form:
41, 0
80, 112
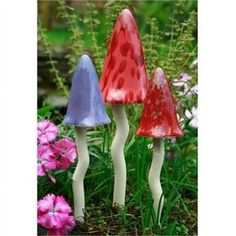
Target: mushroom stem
117, 153
80, 171
154, 176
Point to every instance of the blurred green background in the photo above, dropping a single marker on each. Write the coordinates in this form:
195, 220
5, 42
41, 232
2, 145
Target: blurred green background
59, 35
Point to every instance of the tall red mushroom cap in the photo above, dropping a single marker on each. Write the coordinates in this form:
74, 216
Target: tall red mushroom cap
124, 77
159, 118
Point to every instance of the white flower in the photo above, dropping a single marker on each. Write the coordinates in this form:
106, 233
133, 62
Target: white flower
192, 116
150, 146
181, 121
194, 64
194, 89
185, 90
178, 83
184, 78
188, 92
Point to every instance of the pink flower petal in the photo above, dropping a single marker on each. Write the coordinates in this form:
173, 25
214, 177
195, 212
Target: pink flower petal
43, 125
44, 152
40, 170
47, 131
53, 214
65, 152
71, 155
62, 206
46, 159
47, 203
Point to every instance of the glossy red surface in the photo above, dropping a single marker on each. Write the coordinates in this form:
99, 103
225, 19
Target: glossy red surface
159, 118
124, 77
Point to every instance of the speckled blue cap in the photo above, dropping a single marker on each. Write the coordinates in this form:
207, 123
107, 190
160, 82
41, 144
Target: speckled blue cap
85, 106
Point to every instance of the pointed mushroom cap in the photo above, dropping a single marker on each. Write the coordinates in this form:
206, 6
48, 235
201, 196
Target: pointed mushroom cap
85, 106
124, 77
159, 118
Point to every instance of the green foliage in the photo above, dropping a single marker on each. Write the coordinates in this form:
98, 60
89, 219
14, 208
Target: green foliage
151, 43
59, 81
92, 20
173, 49
113, 8
182, 49
67, 13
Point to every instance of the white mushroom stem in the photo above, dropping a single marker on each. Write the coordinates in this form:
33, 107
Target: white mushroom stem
80, 171
117, 153
154, 176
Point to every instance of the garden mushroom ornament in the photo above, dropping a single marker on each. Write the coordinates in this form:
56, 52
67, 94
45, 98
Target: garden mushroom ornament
123, 81
158, 120
85, 109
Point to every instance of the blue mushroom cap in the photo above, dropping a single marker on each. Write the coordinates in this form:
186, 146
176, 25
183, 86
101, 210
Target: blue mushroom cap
85, 106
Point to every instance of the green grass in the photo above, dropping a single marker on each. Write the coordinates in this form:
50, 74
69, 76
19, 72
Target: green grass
179, 181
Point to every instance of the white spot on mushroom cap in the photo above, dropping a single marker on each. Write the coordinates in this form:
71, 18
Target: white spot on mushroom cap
154, 115
162, 130
156, 131
116, 94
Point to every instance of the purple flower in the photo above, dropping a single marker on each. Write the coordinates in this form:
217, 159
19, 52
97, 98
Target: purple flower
184, 78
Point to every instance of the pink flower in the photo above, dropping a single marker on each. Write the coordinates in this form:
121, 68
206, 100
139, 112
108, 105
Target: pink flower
59, 232
54, 214
46, 160
65, 152
47, 131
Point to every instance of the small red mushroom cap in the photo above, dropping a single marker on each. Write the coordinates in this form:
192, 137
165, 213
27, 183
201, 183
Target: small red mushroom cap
124, 77
159, 118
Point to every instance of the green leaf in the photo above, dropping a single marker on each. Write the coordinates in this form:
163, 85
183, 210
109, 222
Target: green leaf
44, 110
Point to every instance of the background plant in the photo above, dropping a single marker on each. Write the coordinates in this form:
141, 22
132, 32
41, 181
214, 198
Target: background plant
168, 31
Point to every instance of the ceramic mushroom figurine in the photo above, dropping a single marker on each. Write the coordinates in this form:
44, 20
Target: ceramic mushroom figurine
85, 109
123, 81
158, 120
